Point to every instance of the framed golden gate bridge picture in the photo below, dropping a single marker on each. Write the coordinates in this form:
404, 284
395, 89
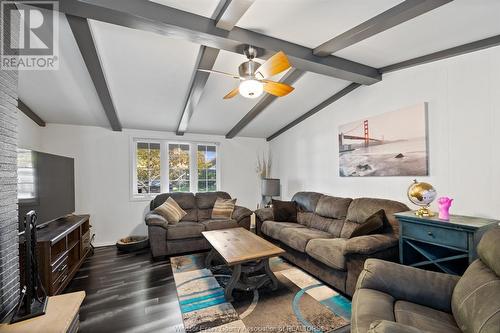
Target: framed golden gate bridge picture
390, 144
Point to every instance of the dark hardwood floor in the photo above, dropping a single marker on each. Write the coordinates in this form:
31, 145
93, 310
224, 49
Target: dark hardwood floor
127, 292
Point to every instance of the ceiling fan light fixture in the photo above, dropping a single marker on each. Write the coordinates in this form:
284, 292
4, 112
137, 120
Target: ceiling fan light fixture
251, 88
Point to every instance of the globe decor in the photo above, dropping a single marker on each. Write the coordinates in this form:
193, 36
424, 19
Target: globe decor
422, 194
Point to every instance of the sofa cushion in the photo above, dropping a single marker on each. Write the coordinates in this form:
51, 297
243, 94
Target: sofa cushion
223, 208
307, 201
332, 226
304, 218
373, 224
171, 211
328, 251
273, 228
424, 318
185, 200
489, 250
185, 229
369, 305
361, 208
297, 238
206, 200
333, 207
476, 299
219, 224
284, 211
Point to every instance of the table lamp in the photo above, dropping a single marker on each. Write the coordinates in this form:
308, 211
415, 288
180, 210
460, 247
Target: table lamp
270, 187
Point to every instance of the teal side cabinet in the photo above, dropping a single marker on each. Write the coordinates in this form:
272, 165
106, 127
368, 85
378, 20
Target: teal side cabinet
433, 244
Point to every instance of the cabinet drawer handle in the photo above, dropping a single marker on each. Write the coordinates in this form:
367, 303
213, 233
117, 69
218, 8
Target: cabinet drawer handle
62, 268
430, 233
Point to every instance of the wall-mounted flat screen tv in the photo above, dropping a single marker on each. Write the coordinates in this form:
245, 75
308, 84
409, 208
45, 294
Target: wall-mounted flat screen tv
46, 184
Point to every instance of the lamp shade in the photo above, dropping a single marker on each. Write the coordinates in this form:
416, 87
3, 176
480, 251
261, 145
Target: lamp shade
270, 187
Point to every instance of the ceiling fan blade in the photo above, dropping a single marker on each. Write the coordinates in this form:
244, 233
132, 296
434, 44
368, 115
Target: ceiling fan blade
234, 76
232, 93
274, 65
277, 88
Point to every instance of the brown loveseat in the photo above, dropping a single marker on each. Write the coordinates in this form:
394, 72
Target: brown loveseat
394, 298
319, 241
185, 236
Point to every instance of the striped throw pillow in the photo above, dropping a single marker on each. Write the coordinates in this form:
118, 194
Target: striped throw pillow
171, 211
223, 208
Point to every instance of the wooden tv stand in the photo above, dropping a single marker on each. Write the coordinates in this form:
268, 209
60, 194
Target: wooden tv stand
62, 246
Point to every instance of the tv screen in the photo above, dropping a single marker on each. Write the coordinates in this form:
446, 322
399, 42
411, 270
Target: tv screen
46, 184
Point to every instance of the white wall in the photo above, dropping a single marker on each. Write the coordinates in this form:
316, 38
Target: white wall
102, 172
463, 95
30, 134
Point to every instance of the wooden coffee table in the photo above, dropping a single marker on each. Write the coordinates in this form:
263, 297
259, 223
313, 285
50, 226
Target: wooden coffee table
245, 253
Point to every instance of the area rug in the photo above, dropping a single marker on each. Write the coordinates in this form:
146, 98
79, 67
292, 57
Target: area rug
301, 303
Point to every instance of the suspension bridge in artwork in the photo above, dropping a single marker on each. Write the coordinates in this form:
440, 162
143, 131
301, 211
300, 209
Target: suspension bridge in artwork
346, 135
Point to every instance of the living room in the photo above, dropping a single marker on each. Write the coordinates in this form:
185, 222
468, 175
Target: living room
242, 165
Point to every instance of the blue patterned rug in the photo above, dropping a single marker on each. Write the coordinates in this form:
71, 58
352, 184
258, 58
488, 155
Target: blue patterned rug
301, 303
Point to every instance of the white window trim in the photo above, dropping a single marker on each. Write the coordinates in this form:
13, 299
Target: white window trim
193, 148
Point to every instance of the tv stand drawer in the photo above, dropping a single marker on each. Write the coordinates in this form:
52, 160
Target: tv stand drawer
62, 276
85, 244
59, 268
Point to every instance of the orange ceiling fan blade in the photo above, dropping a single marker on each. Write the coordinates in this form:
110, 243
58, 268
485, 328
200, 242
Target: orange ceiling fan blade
234, 76
232, 93
274, 65
277, 88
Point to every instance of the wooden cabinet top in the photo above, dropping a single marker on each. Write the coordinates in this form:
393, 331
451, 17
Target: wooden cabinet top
456, 221
59, 228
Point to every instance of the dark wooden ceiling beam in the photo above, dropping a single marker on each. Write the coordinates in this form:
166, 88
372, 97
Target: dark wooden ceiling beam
226, 16
206, 60
289, 78
83, 36
30, 113
231, 13
149, 16
392, 17
316, 109
444, 54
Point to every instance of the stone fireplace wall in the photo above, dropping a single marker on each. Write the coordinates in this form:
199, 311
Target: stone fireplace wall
9, 245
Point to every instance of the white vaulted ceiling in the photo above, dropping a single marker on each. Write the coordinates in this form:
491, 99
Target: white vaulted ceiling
149, 75
310, 23
456, 23
66, 95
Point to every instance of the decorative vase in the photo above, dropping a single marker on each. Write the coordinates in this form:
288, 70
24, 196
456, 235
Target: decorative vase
444, 204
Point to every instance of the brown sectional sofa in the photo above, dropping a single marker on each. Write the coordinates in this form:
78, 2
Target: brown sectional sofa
319, 241
185, 236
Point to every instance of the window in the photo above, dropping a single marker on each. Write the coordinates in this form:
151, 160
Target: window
25, 175
207, 168
167, 166
148, 167
178, 167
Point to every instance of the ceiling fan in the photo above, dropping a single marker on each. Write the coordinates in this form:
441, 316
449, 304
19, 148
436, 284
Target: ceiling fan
253, 76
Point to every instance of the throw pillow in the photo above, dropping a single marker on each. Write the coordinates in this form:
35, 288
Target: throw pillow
372, 224
171, 211
284, 211
223, 209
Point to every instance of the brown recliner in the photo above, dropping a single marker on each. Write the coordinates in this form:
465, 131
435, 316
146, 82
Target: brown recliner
394, 298
185, 236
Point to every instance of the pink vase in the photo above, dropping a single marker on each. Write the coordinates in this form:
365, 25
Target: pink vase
444, 204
